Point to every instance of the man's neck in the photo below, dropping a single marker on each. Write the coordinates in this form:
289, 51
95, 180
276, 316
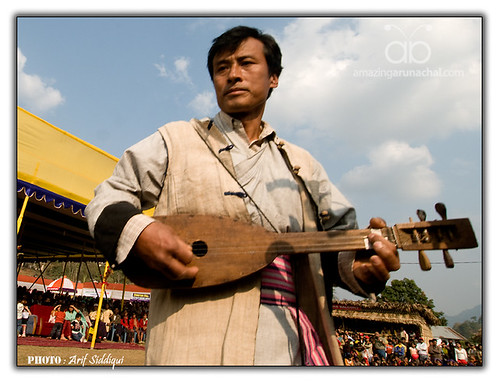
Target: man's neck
252, 125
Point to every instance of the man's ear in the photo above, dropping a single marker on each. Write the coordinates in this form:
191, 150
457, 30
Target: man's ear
274, 81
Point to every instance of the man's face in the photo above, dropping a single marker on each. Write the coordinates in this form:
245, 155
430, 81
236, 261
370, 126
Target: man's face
242, 80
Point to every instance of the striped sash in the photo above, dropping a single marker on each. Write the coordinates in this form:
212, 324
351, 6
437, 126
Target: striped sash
278, 289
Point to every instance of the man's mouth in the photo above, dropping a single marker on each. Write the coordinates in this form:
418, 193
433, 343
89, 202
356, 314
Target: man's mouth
234, 90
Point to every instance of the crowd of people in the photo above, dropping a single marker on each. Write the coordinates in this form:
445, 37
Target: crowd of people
74, 317
405, 349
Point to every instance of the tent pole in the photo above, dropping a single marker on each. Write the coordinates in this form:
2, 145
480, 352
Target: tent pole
41, 272
63, 276
78, 276
21, 214
38, 277
98, 268
90, 274
123, 294
97, 318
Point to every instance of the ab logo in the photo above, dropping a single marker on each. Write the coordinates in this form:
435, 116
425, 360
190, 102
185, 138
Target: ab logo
407, 51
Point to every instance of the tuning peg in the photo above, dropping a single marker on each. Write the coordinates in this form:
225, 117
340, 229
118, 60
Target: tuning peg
424, 261
442, 210
421, 215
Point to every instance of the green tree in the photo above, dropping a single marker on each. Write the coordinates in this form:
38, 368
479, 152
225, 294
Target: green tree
470, 329
407, 291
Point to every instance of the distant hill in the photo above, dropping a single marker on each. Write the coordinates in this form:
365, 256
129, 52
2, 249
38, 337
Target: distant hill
464, 316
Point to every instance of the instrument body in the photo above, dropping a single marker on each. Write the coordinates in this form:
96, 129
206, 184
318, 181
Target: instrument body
227, 250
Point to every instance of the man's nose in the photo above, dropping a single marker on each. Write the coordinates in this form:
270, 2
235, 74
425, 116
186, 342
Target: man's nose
235, 72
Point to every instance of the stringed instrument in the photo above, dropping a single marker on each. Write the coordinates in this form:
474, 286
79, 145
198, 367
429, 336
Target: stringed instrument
227, 250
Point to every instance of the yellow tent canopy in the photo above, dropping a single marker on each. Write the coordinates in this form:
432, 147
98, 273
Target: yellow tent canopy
56, 177
55, 160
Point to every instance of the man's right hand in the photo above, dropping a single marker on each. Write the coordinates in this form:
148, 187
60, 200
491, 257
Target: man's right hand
161, 249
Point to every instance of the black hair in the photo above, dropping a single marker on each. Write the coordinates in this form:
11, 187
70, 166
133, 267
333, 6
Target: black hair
230, 40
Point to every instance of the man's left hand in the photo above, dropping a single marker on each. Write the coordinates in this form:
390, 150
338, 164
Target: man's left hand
375, 270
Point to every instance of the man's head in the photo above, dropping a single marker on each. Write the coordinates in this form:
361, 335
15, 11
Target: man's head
230, 40
244, 70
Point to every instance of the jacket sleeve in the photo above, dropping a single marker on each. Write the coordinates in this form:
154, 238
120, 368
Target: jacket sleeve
134, 187
335, 212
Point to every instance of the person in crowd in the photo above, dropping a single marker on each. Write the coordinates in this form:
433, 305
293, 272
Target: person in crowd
142, 327
445, 352
25, 313
422, 348
106, 318
133, 328
101, 328
347, 349
471, 350
389, 349
69, 317
400, 349
379, 346
77, 329
435, 352
369, 347
116, 325
461, 355
404, 336
59, 314
413, 352
20, 308
125, 325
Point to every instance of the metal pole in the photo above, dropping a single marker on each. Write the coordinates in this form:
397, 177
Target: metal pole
63, 276
123, 294
21, 214
91, 278
41, 272
77, 276
98, 268
94, 336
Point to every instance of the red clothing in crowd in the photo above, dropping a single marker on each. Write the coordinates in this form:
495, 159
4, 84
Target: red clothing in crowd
59, 316
125, 322
143, 323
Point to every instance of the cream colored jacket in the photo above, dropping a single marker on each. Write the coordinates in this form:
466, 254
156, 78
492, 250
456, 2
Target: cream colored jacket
217, 326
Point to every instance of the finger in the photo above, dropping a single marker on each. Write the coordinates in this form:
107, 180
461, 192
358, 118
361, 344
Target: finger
182, 251
175, 269
176, 247
386, 250
377, 269
377, 223
372, 272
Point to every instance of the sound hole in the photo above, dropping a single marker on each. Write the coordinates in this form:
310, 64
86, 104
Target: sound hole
199, 248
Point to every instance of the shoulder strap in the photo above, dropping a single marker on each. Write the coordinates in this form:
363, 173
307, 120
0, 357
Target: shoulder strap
210, 135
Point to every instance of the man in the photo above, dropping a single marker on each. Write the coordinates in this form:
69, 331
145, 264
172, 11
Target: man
422, 348
233, 165
400, 349
379, 345
435, 351
106, 318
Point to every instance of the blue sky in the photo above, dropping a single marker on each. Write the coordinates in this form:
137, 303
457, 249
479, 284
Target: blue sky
390, 106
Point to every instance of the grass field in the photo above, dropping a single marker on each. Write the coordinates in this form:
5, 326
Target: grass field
38, 356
